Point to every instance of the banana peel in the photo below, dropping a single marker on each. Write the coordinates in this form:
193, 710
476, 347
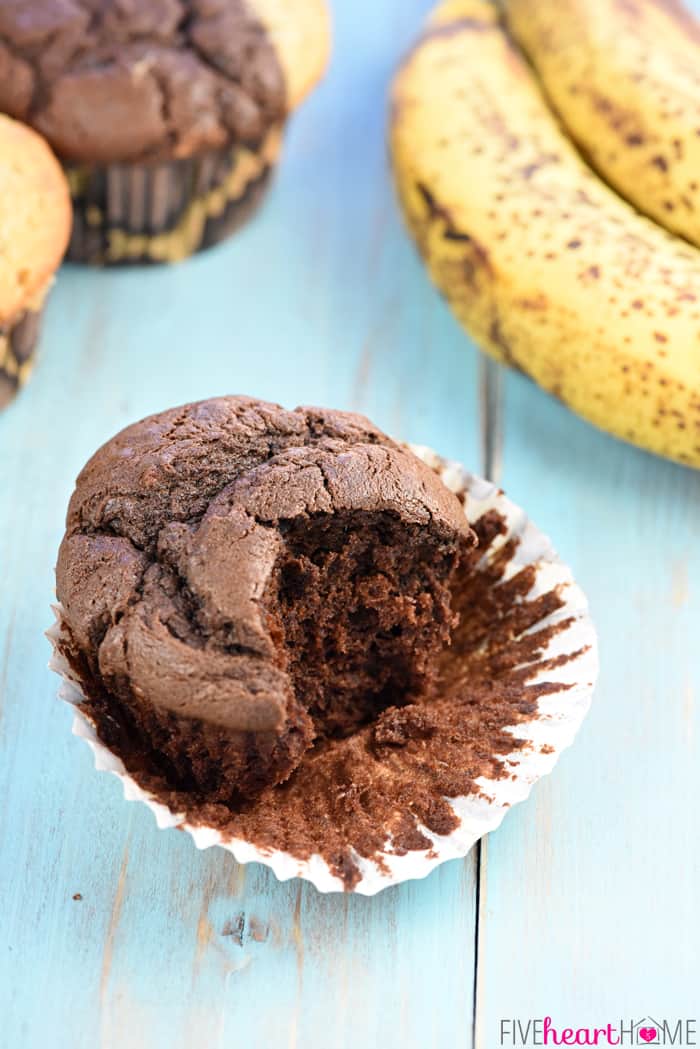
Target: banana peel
544, 265
623, 78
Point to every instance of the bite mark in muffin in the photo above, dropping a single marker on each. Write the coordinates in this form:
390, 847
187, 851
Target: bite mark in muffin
240, 582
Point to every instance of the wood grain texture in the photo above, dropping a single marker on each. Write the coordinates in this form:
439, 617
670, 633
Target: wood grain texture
586, 891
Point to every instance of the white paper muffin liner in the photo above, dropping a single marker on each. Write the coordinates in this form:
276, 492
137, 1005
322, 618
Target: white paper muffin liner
545, 736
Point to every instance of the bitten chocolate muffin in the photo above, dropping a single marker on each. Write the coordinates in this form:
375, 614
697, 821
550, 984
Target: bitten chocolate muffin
239, 582
167, 114
35, 222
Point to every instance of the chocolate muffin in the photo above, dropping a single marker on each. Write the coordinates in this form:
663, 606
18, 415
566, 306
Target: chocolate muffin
167, 114
239, 582
35, 222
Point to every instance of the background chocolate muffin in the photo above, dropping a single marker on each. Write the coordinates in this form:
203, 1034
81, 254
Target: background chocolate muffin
167, 114
35, 220
238, 581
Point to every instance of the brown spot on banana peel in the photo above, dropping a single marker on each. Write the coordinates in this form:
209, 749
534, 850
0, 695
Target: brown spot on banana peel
498, 339
531, 169
438, 211
635, 139
459, 25
534, 302
476, 262
475, 259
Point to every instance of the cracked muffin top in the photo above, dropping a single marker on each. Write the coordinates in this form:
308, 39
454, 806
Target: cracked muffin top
238, 580
108, 81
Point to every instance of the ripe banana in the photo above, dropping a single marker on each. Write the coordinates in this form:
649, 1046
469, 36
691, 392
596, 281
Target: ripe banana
546, 267
624, 77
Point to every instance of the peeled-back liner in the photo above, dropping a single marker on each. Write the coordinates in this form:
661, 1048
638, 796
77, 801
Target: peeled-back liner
562, 676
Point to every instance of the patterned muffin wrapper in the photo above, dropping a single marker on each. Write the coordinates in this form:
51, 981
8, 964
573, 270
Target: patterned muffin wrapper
18, 343
164, 212
569, 669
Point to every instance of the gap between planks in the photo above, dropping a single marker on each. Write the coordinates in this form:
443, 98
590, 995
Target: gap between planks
490, 394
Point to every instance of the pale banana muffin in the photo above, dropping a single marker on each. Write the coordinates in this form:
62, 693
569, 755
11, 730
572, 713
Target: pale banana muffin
35, 221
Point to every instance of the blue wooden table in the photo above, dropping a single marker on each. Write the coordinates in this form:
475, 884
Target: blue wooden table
583, 906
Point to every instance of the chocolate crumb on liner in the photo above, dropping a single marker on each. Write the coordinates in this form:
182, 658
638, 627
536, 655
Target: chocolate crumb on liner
18, 343
164, 212
420, 784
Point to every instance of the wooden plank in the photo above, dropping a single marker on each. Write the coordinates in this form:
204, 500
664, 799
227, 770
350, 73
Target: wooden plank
320, 301
589, 892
